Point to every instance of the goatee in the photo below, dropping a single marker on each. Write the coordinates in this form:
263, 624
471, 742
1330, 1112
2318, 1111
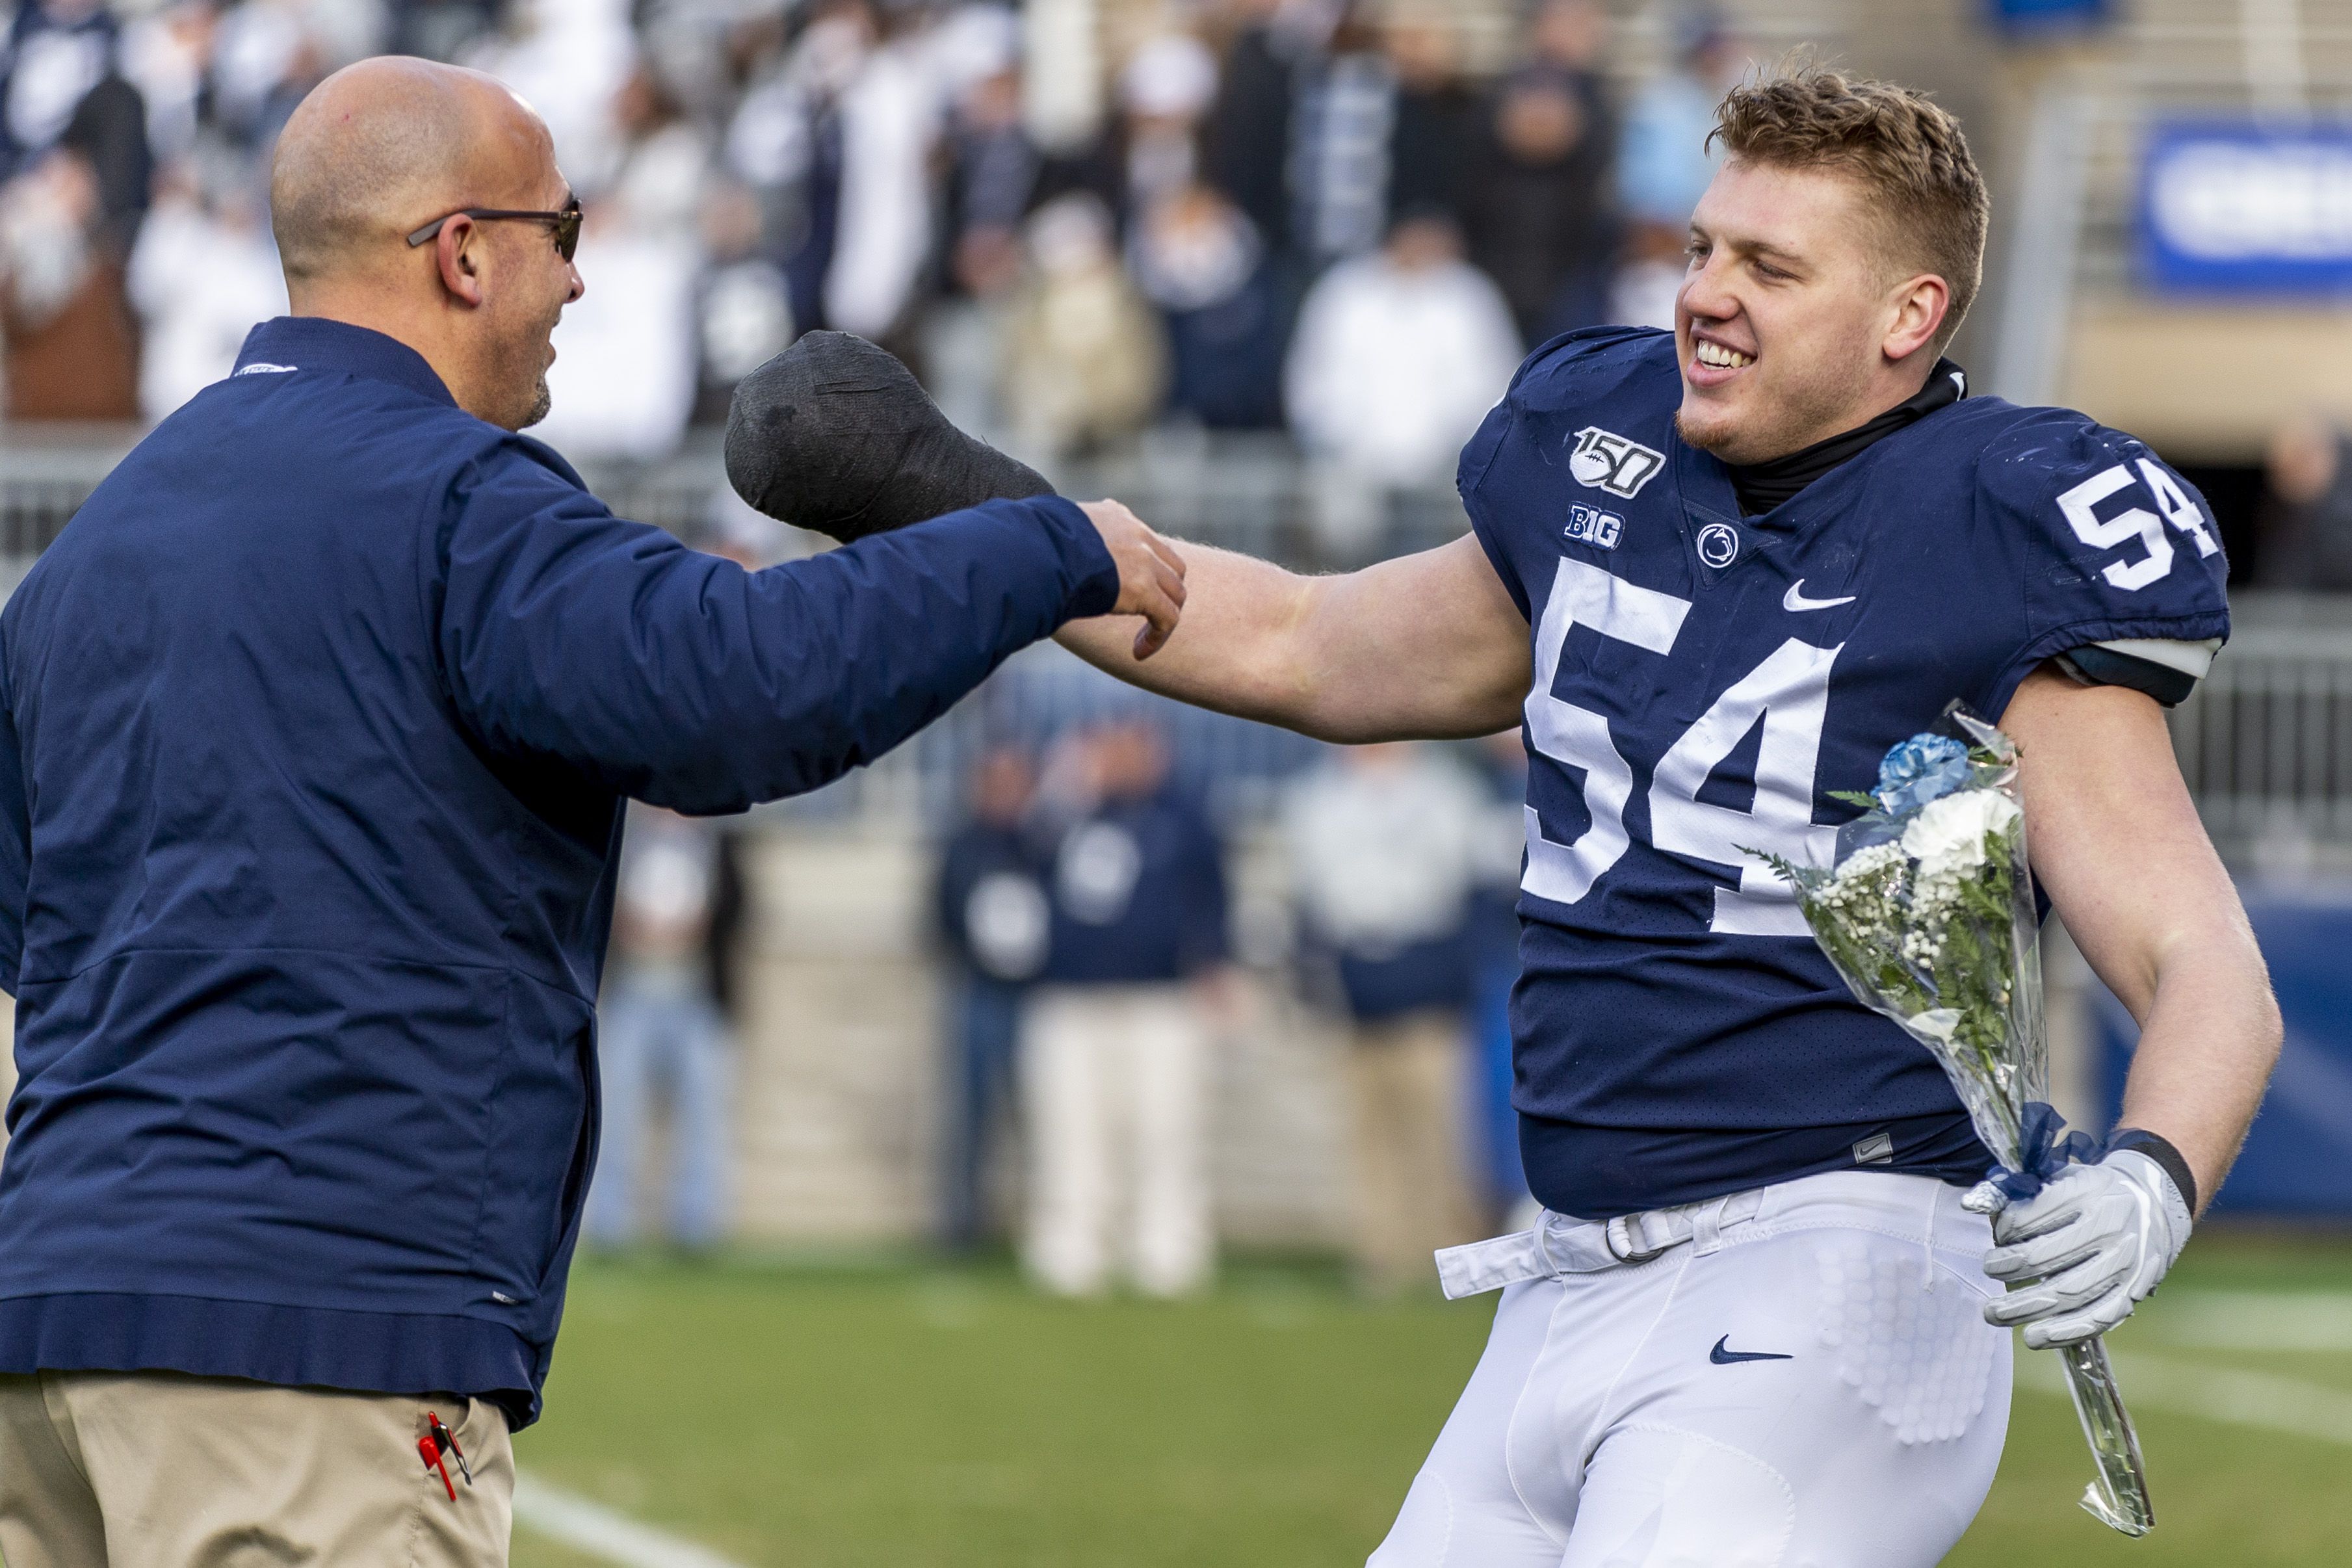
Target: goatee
1705, 441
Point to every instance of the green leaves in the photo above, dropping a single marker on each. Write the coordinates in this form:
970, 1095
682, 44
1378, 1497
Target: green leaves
1943, 946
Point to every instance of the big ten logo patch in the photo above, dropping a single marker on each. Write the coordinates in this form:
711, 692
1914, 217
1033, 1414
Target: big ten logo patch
1610, 462
1590, 525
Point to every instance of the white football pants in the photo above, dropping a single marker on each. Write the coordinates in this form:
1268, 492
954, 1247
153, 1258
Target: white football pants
1806, 1382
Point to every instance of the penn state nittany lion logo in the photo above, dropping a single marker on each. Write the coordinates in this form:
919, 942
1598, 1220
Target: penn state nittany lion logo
1610, 462
1718, 544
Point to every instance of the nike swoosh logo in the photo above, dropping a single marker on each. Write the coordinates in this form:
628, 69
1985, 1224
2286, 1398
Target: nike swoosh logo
1794, 599
1722, 1357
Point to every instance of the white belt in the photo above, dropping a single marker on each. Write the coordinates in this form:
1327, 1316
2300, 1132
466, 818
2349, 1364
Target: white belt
1561, 1244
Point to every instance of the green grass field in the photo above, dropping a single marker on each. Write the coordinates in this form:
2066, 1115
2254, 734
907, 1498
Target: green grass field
825, 1418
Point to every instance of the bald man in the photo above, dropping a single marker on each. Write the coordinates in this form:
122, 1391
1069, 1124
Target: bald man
316, 727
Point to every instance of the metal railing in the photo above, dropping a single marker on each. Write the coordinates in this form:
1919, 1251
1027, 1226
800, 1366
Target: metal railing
2265, 744
1241, 766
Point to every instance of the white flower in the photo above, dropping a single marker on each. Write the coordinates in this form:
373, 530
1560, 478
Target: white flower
1866, 891
1868, 862
1949, 836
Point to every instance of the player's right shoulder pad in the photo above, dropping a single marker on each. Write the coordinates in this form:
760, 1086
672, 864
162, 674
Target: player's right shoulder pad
1589, 366
1592, 363
2111, 542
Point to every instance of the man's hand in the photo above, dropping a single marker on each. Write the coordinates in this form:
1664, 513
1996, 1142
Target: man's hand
1426, 646
2097, 1237
1150, 574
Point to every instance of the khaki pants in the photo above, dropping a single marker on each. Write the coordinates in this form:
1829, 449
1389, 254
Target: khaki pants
162, 1471
1114, 1089
1408, 1077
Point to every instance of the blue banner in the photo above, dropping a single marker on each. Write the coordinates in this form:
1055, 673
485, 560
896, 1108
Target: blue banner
2299, 1160
2235, 207
2048, 15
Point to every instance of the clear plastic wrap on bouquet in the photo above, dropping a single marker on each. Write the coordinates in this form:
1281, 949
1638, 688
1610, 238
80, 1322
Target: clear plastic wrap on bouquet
1929, 913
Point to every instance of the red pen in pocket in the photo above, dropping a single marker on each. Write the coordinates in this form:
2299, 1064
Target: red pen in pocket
439, 1441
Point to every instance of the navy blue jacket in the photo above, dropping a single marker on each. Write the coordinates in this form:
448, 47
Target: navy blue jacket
316, 728
987, 852
1139, 894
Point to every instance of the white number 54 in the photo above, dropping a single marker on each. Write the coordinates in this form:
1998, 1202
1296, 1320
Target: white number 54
2079, 504
1788, 692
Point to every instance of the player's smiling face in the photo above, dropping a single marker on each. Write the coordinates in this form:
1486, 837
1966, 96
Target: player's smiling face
1793, 324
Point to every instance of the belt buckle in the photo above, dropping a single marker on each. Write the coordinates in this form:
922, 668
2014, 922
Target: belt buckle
1620, 1237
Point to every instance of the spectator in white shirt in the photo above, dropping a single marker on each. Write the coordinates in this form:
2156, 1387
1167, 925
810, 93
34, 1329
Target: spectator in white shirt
1167, 86
1398, 356
628, 351
204, 271
889, 123
569, 59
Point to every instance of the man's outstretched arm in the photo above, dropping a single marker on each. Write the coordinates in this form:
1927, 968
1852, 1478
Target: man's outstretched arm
685, 682
1424, 647
2116, 843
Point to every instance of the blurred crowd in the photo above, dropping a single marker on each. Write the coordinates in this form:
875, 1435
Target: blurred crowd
1077, 217
2303, 538
1084, 908
1082, 911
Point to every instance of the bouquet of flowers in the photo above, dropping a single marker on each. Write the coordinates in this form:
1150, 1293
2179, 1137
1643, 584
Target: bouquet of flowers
1929, 913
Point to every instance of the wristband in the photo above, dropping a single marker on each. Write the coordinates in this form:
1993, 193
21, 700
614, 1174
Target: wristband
2139, 1141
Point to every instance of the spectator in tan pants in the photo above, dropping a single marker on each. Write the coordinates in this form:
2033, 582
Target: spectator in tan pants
1115, 1056
1384, 846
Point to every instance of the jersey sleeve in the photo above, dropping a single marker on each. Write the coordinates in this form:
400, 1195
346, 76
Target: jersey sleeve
1586, 365
1476, 458
2122, 573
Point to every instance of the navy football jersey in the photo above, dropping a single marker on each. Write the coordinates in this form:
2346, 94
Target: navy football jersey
1703, 680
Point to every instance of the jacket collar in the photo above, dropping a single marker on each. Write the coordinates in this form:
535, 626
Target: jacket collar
316, 343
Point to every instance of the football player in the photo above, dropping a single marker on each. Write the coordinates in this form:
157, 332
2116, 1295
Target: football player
1716, 574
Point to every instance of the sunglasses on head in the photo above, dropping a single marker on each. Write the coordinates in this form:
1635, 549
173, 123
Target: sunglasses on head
564, 225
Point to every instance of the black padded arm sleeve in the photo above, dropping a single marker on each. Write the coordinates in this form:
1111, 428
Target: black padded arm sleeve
2095, 665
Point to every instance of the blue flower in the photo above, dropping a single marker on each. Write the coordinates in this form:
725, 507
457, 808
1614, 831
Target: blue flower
1923, 768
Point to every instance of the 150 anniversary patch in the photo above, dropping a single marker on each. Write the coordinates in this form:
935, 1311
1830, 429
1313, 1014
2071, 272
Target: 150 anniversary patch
1608, 462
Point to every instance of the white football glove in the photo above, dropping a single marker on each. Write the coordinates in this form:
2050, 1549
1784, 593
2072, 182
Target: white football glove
2096, 1237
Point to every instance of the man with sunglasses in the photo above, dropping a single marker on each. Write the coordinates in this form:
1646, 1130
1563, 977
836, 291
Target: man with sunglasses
315, 726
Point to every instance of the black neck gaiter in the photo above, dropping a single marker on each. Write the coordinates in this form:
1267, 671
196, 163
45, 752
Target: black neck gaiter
1763, 486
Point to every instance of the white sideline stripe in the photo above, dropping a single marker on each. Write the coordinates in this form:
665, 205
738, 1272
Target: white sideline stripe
2256, 1321
2241, 1398
590, 1527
